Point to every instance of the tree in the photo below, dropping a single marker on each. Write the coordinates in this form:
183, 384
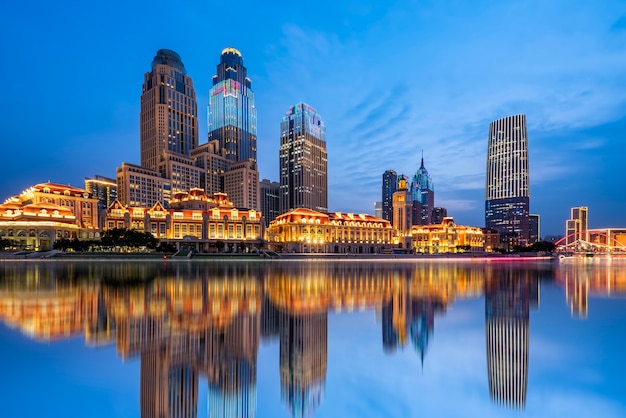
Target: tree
543, 246
219, 244
241, 246
6, 243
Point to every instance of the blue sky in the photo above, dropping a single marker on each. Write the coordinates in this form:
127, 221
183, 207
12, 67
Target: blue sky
389, 79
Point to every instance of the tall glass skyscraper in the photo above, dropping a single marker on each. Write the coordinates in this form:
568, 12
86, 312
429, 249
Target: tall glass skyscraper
169, 114
231, 112
303, 160
390, 186
507, 198
423, 193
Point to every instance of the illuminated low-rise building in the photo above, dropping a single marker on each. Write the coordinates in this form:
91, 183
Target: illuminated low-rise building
194, 218
305, 231
446, 237
43, 213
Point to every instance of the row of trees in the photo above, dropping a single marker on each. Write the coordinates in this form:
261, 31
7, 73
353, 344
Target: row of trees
112, 238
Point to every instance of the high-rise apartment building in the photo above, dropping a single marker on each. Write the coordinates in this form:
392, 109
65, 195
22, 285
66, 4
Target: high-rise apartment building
378, 209
507, 198
270, 200
214, 164
241, 183
102, 188
438, 214
423, 193
390, 185
142, 187
303, 160
577, 226
169, 114
231, 112
534, 228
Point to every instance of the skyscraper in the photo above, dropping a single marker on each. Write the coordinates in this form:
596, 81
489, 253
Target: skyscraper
231, 113
169, 114
507, 186
303, 160
423, 193
576, 227
102, 188
390, 185
270, 206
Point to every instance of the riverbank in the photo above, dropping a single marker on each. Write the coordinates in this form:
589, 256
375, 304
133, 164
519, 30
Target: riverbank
266, 255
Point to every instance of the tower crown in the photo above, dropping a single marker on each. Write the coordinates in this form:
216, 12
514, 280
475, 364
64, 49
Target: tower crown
168, 57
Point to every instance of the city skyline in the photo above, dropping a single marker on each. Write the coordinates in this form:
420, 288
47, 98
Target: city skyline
561, 66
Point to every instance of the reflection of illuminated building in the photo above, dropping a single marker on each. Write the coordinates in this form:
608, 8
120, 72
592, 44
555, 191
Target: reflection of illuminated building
46, 212
601, 278
508, 297
422, 325
167, 390
305, 230
303, 357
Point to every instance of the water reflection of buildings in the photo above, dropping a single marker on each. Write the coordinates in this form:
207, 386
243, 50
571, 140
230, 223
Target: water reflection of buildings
596, 278
187, 321
419, 293
508, 298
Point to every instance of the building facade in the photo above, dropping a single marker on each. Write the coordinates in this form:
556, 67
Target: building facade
142, 187
390, 185
507, 182
303, 160
423, 194
193, 220
241, 184
270, 200
534, 228
307, 231
169, 114
214, 164
102, 188
438, 215
446, 237
231, 113
403, 212
576, 228
47, 212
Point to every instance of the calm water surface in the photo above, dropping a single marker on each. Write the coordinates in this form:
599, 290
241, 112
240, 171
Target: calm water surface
312, 339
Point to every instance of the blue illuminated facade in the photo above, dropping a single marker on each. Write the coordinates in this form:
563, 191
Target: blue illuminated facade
231, 113
507, 199
423, 194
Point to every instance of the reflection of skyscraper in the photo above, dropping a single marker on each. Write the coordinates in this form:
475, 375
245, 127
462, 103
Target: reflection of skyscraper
303, 357
507, 186
508, 298
168, 389
422, 325
303, 160
232, 354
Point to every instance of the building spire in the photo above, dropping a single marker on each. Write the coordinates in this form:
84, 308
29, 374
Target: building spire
422, 166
